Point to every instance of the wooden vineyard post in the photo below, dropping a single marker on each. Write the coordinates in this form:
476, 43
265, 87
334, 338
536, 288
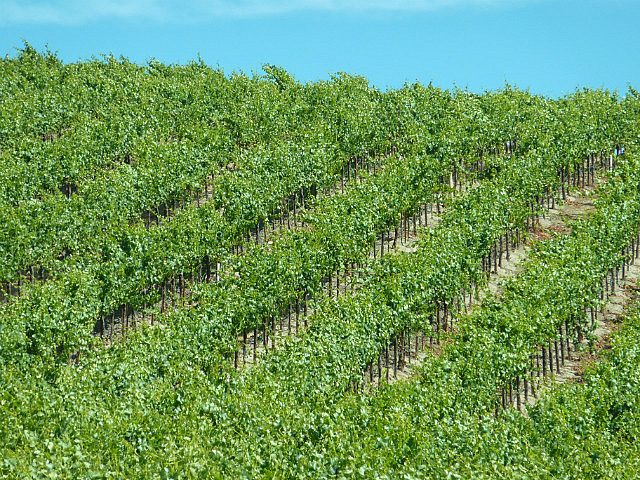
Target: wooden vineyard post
395, 357
255, 335
244, 346
386, 353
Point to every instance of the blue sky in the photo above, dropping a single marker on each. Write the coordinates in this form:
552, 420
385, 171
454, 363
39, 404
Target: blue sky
549, 46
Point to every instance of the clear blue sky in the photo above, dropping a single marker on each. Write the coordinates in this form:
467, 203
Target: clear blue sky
549, 46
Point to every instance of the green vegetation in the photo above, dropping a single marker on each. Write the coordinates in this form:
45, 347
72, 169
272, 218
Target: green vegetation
165, 184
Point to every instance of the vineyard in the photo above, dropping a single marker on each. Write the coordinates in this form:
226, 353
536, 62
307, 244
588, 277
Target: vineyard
206, 275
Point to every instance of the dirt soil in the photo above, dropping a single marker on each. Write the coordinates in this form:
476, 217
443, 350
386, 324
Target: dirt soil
554, 222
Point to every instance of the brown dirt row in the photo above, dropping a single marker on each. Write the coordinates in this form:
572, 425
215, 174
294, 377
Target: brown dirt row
593, 347
551, 224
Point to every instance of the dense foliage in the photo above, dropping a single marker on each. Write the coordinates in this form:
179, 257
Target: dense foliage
91, 152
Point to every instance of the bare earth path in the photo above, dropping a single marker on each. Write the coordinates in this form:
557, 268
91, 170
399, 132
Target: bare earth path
554, 222
591, 349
